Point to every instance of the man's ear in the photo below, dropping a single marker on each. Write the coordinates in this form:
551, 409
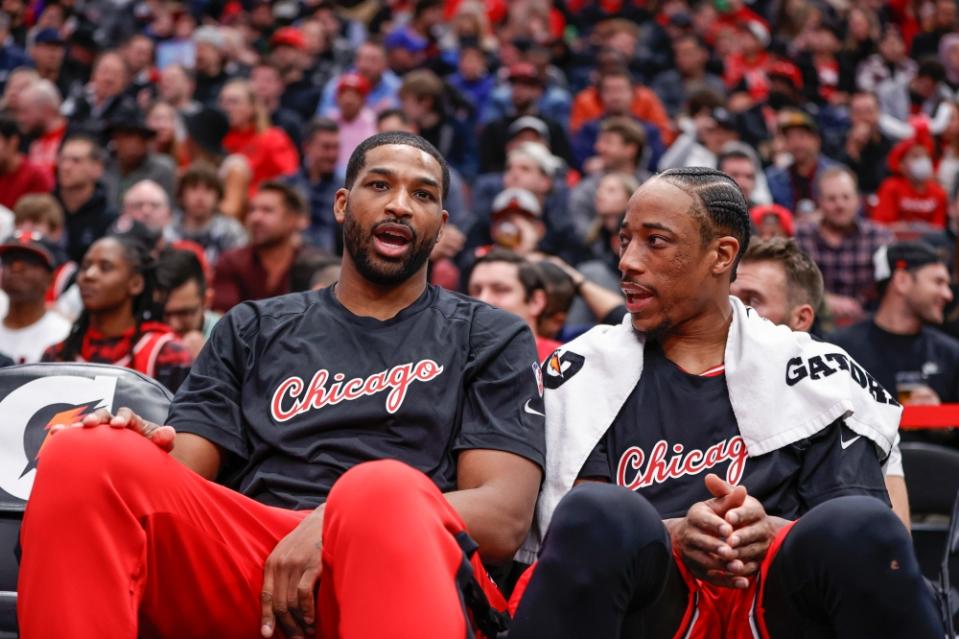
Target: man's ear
802, 318
727, 250
340, 201
537, 303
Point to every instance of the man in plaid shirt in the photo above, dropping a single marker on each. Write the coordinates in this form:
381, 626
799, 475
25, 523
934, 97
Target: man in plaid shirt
842, 245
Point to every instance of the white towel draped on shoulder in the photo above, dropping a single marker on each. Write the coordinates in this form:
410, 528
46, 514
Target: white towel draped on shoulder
784, 386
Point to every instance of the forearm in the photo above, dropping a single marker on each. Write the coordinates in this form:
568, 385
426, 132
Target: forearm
899, 497
496, 527
600, 301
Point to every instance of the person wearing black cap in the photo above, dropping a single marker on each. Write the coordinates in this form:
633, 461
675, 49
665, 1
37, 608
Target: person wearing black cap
794, 186
898, 345
206, 129
132, 161
47, 53
29, 262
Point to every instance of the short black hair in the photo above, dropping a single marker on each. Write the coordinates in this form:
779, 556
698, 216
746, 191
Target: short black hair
320, 124
358, 158
9, 128
392, 113
718, 200
293, 200
931, 67
96, 149
176, 267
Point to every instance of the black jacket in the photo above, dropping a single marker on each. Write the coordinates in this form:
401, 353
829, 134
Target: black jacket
88, 223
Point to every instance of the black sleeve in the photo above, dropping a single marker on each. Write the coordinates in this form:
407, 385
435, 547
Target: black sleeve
839, 462
503, 404
209, 402
597, 464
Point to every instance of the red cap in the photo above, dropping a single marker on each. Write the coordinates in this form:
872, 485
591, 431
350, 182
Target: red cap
288, 37
787, 70
354, 81
781, 213
524, 71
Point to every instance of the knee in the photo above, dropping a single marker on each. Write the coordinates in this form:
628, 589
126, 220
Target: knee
383, 487
74, 458
851, 527
619, 521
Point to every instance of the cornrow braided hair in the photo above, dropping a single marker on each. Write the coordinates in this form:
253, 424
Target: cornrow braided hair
145, 308
719, 201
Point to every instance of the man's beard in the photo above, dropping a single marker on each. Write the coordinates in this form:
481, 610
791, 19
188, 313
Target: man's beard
655, 334
358, 244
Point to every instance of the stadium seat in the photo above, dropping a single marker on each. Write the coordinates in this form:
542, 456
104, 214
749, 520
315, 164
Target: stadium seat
932, 476
32, 398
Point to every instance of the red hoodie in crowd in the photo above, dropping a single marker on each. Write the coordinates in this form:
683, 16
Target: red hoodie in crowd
902, 200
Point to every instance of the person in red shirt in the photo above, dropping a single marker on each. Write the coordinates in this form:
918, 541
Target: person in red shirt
120, 323
18, 177
268, 149
40, 120
911, 197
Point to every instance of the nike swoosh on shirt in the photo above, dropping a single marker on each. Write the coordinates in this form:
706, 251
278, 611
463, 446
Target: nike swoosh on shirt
532, 411
846, 443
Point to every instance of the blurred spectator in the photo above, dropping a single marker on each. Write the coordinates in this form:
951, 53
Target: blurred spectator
927, 43
427, 103
539, 96
186, 298
176, 88
277, 217
949, 54
28, 328
147, 202
267, 149
291, 58
948, 153
210, 73
138, 53
890, 63
473, 79
507, 281
516, 221
370, 62
740, 162
703, 137
828, 74
794, 186
898, 345
772, 220
319, 180
619, 147
866, 148
200, 192
47, 52
18, 80
405, 50
690, 73
103, 99
355, 120
12, 55
266, 81
42, 215
82, 195
560, 293
842, 244
133, 160
525, 96
168, 133
18, 176
616, 93
923, 94
206, 130
746, 66
780, 282
41, 123
911, 197
119, 323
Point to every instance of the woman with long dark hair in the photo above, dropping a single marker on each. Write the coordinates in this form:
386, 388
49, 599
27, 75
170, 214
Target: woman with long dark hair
120, 323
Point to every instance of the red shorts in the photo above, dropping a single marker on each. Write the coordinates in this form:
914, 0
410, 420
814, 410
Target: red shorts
711, 612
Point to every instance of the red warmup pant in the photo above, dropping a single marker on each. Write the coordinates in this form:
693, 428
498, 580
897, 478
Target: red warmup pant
120, 540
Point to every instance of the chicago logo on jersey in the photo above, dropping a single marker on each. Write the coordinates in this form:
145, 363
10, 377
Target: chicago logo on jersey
635, 471
293, 397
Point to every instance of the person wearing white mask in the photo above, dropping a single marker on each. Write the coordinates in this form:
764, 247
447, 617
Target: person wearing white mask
911, 197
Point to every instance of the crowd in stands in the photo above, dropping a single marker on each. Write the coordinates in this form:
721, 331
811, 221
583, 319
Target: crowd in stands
162, 162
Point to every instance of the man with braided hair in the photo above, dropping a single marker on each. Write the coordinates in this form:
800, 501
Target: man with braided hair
708, 473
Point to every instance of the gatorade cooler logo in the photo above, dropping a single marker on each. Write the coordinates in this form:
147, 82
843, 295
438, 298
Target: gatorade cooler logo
29, 412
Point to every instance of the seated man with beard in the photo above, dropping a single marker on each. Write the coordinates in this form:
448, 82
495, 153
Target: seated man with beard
376, 432
729, 470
